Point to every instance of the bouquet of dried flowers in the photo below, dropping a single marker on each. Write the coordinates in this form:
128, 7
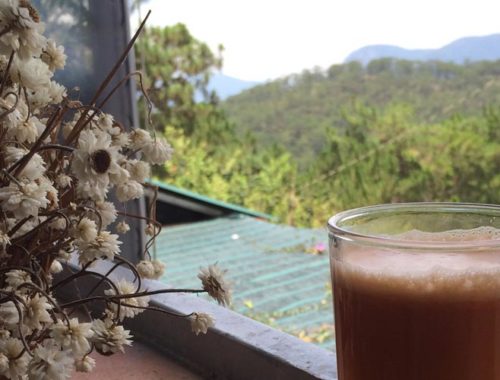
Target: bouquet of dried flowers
60, 160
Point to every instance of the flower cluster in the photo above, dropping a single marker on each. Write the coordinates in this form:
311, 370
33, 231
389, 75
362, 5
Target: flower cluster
60, 161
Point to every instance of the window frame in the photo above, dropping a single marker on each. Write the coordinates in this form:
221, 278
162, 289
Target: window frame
237, 347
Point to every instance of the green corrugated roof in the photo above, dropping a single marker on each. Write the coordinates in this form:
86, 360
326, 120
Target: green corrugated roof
210, 201
266, 263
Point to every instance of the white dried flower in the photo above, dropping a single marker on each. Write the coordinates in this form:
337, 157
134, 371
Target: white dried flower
150, 229
18, 364
25, 228
53, 55
24, 200
159, 268
212, 279
11, 12
85, 364
105, 121
4, 363
63, 255
120, 174
134, 304
16, 114
158, 151
146, 269
152, 269
129, 190
139, 171
35, 167
9, 314
109, 337
52, 193
37, 312
56, 92
139, 138
16, 277
24, 36
106, 245
50, 363
122, 227
75, 336
89, 189
92, 163
4, 240
56, 267
121, 139
33, 74
26, 131
39, 98
200, 322
107, 211
85, 230
63, 180
59, 224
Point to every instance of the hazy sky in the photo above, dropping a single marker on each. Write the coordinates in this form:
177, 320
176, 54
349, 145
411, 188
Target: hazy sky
266, 39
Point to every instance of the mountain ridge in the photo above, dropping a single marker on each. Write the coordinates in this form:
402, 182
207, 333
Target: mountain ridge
226, 86
472, 48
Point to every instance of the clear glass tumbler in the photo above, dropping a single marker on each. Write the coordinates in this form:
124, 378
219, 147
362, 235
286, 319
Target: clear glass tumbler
416, 290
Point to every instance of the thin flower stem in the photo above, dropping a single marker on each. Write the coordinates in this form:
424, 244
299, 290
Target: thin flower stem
6, 73
131, 266
13, 108
52, 123
57, 146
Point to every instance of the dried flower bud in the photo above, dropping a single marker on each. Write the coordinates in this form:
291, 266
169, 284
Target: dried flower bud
158, 151
86, 230
212, 279
150, 229
122, 227
85, 364
200, 322
56, 267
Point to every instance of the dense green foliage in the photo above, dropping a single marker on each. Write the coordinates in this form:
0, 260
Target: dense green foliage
298, 109
389, 132
380, 156
210, 158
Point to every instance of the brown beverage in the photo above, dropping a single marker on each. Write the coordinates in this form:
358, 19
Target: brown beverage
418, 316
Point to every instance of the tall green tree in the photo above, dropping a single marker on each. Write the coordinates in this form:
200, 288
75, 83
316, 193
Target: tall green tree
177, 69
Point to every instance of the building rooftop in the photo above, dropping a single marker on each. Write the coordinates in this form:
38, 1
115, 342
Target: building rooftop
280, 274
180, 205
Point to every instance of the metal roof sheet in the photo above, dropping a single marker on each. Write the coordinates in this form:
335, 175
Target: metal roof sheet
274, 278
208, 201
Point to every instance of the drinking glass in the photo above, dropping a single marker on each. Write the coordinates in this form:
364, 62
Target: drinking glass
416, 290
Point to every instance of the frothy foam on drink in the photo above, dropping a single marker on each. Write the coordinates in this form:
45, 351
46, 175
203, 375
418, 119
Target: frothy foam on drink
475, 275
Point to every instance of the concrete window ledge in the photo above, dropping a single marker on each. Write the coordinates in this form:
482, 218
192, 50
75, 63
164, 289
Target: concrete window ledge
236, 348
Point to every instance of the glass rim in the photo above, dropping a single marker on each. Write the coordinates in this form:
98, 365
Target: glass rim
383, 241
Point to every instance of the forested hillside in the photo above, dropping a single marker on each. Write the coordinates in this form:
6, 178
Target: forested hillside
307, 146
298, 110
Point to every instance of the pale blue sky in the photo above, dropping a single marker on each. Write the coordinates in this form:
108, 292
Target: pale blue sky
266, 39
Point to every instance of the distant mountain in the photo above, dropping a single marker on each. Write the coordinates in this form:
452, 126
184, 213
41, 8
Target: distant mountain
485, 48
226, 86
